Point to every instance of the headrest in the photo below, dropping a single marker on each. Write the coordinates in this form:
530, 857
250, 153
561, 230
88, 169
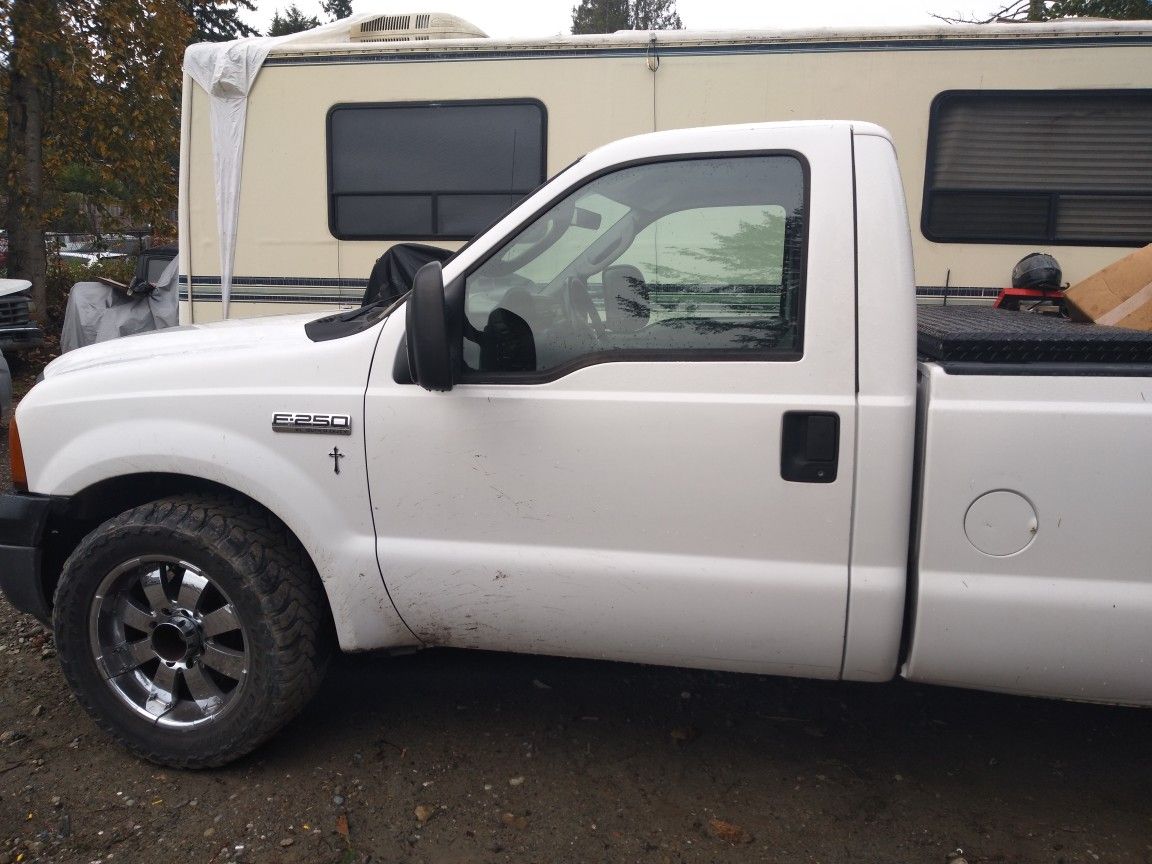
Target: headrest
626, 306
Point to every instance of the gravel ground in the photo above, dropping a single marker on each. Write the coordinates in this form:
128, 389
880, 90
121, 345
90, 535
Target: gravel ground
448, 757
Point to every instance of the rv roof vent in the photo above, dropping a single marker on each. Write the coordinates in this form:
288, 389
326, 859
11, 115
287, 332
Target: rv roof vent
386, 22
408, 28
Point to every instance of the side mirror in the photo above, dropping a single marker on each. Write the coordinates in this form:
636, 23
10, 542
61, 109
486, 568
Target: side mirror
429, 330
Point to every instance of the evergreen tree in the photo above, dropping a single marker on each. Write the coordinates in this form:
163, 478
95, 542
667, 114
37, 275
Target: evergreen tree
336, 9
600, 16
655, 15
1051, 10
219, 20
1129, 10
293, 21
608, 16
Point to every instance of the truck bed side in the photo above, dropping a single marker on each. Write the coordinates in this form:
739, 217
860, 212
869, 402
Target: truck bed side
1034, 567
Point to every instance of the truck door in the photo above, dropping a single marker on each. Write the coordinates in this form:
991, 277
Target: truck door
650, 456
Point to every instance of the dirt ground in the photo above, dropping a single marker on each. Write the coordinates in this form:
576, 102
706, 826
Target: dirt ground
449, 757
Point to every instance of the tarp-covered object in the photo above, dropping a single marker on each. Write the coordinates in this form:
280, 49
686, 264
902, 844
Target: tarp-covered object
393, 272
97, 312
5, 390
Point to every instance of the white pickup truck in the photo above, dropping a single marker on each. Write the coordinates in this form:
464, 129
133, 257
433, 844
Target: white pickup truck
667, 410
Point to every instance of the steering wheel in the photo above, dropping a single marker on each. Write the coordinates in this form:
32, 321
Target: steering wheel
559, 220
579, 309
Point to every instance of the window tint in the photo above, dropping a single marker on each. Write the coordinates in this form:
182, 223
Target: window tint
441, 170
1070, 167
674, 260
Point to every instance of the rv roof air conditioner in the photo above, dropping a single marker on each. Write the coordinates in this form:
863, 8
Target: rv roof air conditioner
414, 28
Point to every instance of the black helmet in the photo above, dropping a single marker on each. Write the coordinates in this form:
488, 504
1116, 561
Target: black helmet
1037, 270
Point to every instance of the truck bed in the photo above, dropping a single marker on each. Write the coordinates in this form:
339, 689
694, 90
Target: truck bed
981, 340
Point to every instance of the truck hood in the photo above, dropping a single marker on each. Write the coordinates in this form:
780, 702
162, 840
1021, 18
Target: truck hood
223, 337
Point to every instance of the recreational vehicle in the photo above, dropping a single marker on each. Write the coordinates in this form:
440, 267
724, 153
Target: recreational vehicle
380, 129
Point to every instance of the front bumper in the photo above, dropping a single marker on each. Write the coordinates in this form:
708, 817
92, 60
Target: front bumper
23, 519
23, 338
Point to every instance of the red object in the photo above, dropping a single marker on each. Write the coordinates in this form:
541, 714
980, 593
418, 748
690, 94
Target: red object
1011, 298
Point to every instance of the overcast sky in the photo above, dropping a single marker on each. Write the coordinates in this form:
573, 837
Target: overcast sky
526, 18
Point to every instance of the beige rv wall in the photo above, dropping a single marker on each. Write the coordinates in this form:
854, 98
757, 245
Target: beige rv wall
896, 89
283, 228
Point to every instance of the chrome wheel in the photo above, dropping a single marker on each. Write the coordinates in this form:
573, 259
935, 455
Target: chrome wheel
168, 641
191, 628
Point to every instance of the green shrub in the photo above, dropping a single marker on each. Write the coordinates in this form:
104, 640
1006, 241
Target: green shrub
64, 273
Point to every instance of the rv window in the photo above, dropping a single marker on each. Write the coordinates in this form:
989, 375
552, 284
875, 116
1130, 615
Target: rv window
443, 170
1068, 167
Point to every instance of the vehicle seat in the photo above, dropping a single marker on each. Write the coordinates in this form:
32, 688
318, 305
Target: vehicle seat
508, 344
626, 305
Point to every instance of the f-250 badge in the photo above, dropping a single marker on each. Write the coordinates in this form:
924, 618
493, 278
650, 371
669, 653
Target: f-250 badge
301, 421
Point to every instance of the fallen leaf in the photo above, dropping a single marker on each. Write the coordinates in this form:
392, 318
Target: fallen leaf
424, 812
685, 733
514, 821
729, 832
342, 825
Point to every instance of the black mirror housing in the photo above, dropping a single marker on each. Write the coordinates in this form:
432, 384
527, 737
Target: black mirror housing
432, 348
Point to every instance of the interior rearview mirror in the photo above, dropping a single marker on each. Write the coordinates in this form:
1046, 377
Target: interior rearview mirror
584, 218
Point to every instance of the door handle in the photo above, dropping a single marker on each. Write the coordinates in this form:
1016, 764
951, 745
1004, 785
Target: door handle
810, 446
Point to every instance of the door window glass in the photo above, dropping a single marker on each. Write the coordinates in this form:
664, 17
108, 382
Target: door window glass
690, 259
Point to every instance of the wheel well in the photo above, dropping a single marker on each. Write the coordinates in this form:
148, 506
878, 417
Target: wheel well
91, 507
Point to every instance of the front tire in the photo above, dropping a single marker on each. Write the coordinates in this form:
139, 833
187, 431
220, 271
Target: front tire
192, 629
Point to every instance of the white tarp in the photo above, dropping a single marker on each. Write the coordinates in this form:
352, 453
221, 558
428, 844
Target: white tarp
227, 71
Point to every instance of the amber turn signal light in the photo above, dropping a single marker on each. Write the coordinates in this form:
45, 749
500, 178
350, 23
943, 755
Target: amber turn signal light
16, 457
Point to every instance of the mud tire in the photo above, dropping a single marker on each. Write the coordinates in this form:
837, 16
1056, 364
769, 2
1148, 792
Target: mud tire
273, 588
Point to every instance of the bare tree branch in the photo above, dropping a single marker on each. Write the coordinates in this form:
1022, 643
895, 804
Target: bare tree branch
1020, 10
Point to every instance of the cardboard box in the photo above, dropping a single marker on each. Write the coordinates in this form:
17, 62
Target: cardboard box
1120, 294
